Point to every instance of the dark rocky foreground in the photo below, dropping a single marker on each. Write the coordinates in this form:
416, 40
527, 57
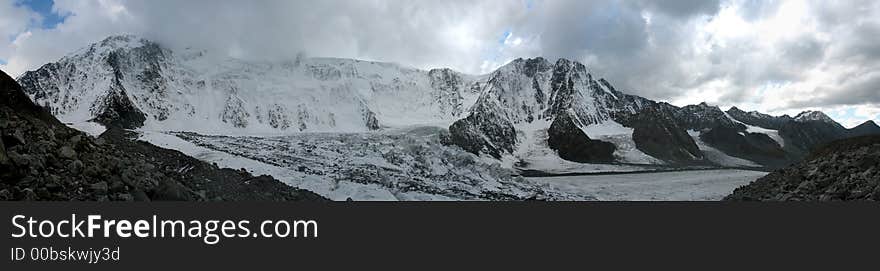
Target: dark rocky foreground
42, 159
847, 169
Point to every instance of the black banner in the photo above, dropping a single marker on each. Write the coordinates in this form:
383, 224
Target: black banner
450, 235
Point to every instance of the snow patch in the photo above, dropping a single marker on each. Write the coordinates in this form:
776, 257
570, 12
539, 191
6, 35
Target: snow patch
91, 128
621, 137
773, 134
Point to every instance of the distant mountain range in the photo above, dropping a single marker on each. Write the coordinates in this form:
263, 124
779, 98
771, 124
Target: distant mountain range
527, 112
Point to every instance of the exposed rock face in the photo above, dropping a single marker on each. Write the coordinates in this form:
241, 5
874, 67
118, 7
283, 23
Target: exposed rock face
847, 169
571, 143
803, 136
449, 86
658, 134
759, 119
725, 132
484, 133
116, 110
752, 146
41, 159
703, 116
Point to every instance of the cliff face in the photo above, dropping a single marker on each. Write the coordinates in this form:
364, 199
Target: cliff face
42, 159
571, 143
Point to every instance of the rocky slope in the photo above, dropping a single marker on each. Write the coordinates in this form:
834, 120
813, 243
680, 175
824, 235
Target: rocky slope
847, 169
42, 159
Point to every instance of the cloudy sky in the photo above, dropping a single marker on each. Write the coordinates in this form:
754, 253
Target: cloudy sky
779, 57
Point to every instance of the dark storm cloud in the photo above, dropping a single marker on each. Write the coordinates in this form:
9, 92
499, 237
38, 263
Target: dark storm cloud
805, 50
616, 40
682, 8
862, 44
571, 28
858, 90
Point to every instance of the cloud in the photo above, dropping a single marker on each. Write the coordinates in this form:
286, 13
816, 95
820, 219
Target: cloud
682, 8
418, 33
14, 19
777, 56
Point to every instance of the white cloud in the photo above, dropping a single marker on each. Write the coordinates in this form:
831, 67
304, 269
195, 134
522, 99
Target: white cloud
14, 20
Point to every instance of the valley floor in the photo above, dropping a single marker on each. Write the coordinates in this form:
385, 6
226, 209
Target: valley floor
668, 186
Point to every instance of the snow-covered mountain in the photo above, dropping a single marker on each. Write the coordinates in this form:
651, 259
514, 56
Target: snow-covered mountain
132, 82
814, 116
529, 113
532, 110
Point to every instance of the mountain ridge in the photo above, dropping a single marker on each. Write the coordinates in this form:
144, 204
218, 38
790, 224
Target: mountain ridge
130, 82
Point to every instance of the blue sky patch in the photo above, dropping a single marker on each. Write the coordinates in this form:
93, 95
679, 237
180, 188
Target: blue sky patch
529, 4
44, 8
3, 62
844, 116
504, 36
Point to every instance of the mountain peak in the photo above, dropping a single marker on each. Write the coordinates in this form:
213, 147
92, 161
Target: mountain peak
811, 115
705, 105
123, 41
868, 123
541, 63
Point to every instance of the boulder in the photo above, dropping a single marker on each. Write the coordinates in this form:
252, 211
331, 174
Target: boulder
99, 188
67, 152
